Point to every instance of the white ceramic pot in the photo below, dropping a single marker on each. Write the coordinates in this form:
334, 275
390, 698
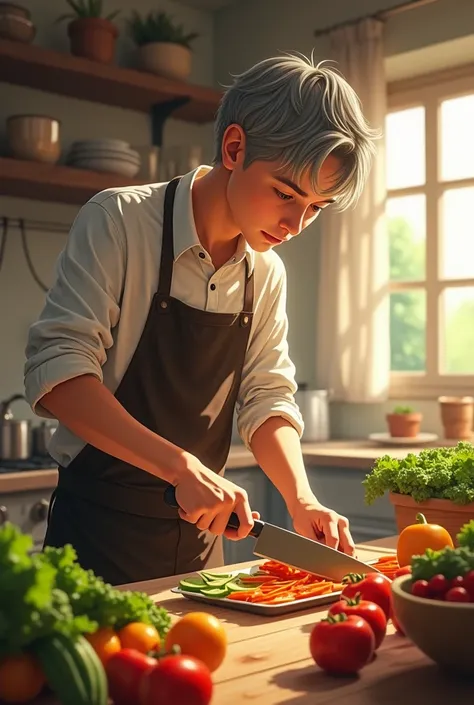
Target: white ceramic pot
166, 59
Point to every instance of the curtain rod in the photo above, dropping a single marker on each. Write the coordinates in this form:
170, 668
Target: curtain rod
41, 225
383, 15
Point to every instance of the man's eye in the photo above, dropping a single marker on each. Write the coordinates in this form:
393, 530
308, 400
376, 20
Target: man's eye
283, 196
317, 209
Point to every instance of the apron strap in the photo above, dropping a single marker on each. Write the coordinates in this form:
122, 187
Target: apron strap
248, 293
167, 245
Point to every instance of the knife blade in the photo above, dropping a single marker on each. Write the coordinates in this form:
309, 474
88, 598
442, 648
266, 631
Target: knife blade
278, 544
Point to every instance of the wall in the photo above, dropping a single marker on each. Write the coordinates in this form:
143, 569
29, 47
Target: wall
20, 298
427, 38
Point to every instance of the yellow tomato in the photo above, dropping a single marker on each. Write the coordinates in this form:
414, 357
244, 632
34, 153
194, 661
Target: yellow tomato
139, 636
200, 635
105, 643
21, 679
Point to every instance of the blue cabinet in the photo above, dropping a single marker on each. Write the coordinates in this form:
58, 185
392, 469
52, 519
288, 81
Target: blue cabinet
256, 484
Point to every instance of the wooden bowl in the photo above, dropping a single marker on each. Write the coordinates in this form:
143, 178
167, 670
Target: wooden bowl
441, 630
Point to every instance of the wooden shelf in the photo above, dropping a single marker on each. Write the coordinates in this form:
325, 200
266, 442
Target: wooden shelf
65, 74
51, 182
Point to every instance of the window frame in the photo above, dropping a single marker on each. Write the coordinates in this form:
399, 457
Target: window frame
430, 90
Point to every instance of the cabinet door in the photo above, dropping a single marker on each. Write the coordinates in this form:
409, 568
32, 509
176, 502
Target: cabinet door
256, 484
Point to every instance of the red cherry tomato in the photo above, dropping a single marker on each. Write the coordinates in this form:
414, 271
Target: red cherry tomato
420, 588
468, 584
438, 586
125, 670
371, 612
177, 680
457, 594
373, 587
341, 644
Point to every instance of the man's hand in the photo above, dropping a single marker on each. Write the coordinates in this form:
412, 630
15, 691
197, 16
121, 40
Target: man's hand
207, 500
314, 521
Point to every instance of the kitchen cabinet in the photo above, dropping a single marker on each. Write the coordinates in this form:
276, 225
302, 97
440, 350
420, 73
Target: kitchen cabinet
341, 489
257, 485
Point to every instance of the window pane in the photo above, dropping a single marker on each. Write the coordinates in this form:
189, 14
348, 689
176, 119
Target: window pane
408, 331
405, 144
457, 138
458, 330
407, 232
457, 234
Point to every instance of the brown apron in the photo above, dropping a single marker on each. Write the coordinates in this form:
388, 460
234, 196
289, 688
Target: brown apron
182, 383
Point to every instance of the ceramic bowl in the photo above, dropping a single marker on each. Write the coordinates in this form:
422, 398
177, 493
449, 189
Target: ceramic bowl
16, 28
34, 137
441, 630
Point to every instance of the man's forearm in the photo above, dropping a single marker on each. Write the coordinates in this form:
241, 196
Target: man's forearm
277, 449
88, 409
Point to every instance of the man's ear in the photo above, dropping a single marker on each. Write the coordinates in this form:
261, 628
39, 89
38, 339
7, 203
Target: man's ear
233, 147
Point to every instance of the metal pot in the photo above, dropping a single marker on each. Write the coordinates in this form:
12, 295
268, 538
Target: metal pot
15, 435
42, 435
314, 407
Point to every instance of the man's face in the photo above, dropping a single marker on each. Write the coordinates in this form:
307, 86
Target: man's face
268, 208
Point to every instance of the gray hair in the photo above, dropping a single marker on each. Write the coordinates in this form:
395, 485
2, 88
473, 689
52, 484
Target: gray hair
296, 113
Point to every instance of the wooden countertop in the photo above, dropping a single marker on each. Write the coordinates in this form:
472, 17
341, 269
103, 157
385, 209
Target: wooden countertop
357, 454
268, 660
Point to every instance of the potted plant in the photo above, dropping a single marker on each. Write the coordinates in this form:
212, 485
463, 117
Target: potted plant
91, 35
403, 422
439, 482
164, 47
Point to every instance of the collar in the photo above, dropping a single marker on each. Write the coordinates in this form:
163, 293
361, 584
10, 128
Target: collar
185, 233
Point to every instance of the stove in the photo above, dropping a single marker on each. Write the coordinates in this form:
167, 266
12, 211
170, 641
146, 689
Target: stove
34, 463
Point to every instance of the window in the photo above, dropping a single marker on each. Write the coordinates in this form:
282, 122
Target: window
430, 211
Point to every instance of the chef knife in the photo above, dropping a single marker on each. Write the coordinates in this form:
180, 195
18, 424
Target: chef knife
294, 550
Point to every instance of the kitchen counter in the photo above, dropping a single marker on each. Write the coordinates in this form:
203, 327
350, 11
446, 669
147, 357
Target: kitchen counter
268, 660
358, 454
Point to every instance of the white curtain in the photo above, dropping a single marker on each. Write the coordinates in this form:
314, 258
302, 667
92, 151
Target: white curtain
352, 345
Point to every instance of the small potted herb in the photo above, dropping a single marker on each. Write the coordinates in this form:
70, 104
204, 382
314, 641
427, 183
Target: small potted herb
164, 47
439, 482
91, 35
404, 422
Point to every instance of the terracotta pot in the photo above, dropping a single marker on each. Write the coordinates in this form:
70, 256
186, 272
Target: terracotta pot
93, 38
457, 416
437, 511
166, 59
404, 425
34, 138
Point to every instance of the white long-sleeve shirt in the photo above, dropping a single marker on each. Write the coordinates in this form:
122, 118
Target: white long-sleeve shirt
106, 277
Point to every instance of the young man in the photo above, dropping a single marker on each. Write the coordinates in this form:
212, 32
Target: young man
168, 310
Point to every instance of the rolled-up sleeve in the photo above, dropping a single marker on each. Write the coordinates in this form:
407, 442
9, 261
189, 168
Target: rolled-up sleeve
268, 378
74, 329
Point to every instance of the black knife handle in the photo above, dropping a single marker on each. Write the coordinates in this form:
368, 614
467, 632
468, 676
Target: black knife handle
233, 523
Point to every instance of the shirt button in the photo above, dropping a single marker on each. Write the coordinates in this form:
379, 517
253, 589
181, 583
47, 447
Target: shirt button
213, 286
202, 255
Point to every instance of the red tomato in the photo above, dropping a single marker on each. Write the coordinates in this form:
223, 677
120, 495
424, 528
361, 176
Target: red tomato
371, 612
342, 644
438, 586
457, 594
373, 587
176, 680
468, 584
125, 670
420, 588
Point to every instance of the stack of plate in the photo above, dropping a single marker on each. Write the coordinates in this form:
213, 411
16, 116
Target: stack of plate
113, 156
